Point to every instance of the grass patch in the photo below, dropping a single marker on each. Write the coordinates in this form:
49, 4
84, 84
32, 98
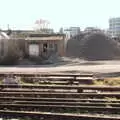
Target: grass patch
109, 99
115, 81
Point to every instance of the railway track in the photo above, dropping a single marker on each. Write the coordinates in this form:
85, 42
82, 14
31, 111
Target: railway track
59, 94
54, 116
79, 88
61, 79
61, 101
110, 100
67, 103
60, 108
45, 75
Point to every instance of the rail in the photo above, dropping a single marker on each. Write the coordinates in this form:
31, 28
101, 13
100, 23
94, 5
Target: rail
59, 94
79, 88
45, 75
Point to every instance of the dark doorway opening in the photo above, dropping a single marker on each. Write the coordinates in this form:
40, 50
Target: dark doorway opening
45, 47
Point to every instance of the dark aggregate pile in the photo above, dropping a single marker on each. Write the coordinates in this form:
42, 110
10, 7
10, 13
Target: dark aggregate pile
93, 46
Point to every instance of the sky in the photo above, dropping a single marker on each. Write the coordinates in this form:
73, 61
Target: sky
22, 14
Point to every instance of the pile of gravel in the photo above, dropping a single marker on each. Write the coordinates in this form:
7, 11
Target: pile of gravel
93, 46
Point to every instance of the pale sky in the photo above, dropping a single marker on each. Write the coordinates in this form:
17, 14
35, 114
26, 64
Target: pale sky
22, 14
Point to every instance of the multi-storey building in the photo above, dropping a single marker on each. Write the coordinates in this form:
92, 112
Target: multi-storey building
114, 27
92, 29
72, 31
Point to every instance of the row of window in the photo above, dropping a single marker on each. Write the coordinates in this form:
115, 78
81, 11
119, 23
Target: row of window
114, 33
114, 24
114, 20
115, 28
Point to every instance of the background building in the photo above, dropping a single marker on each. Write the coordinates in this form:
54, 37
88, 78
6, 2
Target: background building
72, 31
92, 29
114, 27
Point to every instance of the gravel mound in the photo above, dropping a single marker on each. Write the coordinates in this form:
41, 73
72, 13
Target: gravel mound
93, 46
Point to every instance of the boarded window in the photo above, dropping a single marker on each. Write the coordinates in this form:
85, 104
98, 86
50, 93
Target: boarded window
34, 50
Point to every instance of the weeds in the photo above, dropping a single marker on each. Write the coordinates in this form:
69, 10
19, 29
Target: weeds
108, 81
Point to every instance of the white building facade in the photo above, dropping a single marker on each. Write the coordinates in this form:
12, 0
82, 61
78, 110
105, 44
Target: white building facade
114, 27
72, 31
92, 29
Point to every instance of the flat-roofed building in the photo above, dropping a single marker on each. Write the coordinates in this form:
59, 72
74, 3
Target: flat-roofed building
72, 31
92, 29
114, 27
45, 45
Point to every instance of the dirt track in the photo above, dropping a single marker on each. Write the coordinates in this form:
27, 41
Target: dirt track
71, 66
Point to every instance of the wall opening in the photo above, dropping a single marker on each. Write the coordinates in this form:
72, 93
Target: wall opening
45, 47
